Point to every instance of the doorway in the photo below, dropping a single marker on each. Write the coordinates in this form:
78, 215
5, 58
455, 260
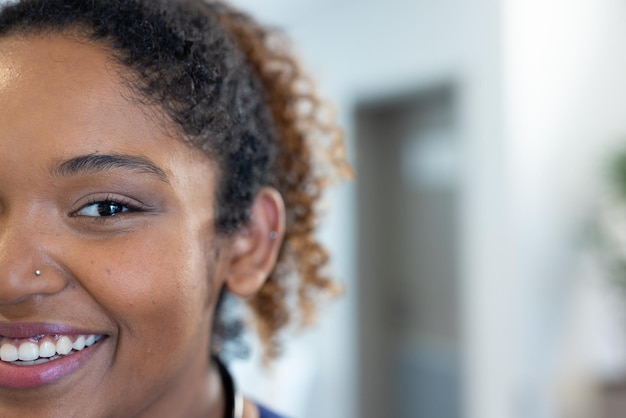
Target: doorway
408, 228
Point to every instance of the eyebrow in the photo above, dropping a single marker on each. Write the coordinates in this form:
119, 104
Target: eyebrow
95, 163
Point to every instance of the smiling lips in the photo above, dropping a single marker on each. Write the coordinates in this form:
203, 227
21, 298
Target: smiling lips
43, 348
32, 354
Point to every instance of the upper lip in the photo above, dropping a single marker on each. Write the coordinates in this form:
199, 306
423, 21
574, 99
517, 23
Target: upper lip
27, 330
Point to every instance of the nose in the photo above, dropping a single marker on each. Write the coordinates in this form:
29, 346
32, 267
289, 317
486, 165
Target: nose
26, 269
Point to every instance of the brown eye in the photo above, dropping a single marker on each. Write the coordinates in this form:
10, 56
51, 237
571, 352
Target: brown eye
100, 209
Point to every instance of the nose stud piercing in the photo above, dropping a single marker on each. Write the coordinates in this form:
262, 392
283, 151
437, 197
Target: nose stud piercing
273, 235
37, 273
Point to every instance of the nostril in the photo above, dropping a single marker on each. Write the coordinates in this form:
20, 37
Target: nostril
26, 266
19, 281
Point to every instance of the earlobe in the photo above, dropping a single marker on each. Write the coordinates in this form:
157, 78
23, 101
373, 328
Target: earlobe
255, 247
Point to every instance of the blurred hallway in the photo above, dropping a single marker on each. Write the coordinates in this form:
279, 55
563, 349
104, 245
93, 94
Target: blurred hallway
536, 106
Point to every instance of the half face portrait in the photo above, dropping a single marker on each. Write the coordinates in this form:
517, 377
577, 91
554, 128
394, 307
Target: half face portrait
149, 169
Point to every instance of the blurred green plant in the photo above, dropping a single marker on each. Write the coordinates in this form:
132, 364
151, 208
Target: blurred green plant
617, 174
607, 232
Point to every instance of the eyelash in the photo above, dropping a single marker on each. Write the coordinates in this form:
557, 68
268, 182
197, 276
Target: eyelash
126, 204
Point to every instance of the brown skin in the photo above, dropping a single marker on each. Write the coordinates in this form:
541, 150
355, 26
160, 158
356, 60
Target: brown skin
125, 275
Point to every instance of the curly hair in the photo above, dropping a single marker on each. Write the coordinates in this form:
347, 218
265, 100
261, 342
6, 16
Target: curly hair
234, 91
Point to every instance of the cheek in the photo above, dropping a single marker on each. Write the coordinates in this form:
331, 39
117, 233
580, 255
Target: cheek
151, 283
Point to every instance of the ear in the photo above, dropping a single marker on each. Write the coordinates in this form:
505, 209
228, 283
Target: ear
255, 248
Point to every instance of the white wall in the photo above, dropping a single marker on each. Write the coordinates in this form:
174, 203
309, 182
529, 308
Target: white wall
565, 96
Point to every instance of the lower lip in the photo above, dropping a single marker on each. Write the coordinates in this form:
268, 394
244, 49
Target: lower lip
28, 377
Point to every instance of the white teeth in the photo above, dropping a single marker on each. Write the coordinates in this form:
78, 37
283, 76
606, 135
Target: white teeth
64, 345
47, 349
28, 351
8, 352
79, 344
90, 340
42, 348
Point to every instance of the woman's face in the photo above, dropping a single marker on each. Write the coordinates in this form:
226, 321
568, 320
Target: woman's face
117, 217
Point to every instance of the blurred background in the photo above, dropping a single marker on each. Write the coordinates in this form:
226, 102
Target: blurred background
480, 131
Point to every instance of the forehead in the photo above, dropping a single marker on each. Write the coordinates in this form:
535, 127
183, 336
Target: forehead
56, 77
55, 66
65, 94
61, 97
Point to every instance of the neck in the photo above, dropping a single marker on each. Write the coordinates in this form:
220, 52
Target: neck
201, 396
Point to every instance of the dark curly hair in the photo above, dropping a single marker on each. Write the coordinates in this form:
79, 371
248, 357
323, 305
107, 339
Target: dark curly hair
234, 91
